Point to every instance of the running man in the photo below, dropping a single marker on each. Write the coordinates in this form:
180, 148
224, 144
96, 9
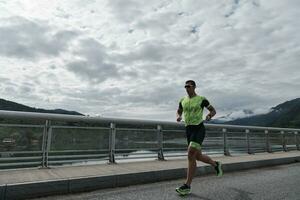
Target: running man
192, 106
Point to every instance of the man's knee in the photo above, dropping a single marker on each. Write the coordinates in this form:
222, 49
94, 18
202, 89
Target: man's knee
192, 154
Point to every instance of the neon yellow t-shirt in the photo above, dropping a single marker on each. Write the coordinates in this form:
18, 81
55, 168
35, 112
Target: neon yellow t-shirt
193, 109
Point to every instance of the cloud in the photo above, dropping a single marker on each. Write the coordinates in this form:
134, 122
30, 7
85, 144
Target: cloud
126, 11
92, 62
30, 40
131, 58
149, 51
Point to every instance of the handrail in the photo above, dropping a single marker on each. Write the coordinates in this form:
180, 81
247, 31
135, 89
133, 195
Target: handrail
77, 118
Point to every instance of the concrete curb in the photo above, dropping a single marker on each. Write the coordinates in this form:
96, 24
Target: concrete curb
72, 185
2, 191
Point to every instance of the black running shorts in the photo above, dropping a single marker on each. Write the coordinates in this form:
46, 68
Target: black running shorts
195, 135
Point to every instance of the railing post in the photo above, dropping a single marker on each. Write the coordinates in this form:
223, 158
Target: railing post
112, 143
268, 147
283, 141
46, 143
248, 141
226, 151
160, 153
297, 140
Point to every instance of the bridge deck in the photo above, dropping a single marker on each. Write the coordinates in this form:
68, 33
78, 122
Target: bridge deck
26, 183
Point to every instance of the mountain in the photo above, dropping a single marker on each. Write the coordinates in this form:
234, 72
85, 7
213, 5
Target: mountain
12, 106
285, 115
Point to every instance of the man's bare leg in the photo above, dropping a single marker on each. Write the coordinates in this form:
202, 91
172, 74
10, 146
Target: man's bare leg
205, 158
192, 165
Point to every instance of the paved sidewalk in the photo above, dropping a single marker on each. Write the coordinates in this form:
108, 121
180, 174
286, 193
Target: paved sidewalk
26, 183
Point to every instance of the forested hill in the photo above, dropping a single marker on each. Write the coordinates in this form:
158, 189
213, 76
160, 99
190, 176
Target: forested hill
12, 106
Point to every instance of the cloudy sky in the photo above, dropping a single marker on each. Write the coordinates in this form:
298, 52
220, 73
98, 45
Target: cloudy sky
130, 58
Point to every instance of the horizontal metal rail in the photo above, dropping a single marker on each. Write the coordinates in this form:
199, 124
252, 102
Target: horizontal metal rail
79, 127
75, 118
22, 125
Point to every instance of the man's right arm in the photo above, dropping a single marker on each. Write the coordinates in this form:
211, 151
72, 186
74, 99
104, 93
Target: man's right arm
179, 113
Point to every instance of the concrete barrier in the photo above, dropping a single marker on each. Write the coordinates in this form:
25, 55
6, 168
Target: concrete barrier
35, 189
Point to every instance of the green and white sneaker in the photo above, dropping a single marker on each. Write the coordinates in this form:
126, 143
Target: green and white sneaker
218, 168
184, 190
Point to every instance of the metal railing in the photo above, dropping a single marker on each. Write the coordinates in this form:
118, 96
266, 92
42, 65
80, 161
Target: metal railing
43, 140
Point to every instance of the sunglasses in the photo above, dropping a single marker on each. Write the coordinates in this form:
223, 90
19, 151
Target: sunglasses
188, 86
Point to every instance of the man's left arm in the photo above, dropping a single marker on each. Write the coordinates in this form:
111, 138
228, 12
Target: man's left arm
212, 112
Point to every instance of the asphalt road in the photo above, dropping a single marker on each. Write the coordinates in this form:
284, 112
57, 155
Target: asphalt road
274, 183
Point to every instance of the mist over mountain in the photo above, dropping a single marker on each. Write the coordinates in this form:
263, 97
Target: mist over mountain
286, 115
12, 106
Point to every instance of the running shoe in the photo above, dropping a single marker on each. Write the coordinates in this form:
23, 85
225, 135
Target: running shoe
184, 189
218, 168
